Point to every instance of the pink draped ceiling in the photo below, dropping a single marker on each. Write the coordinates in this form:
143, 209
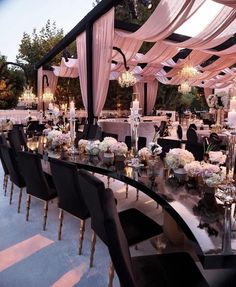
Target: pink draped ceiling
67, 69
230, 3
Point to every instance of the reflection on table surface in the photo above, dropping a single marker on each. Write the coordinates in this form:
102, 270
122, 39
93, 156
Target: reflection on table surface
199, 214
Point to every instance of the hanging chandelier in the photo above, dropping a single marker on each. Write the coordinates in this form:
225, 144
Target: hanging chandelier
188, 72
184, 88
48, 95
28, 97
127, 79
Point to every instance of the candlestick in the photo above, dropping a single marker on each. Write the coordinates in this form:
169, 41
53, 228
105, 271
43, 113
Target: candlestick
135, 105
72, 109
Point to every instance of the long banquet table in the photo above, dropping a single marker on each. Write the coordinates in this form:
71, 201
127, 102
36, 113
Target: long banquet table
203, 228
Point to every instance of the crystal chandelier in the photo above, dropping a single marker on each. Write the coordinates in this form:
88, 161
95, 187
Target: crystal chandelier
184, 88
48, 95
28, 97
126, 79
188, 72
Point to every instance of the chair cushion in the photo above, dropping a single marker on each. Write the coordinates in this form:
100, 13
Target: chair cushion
163, 270
137, 226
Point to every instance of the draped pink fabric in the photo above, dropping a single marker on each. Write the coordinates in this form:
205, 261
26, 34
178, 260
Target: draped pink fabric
230, 3
170, 14
40, 88
82, 66
207, 92
52, 80
152, 88
103, 34
139, 89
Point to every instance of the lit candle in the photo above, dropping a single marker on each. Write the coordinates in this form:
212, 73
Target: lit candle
232, 118
136, 104
72, 109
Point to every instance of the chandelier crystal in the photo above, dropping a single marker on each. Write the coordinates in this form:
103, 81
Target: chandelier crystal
48, 95
188, 72
184, 88
28, 97
126, 79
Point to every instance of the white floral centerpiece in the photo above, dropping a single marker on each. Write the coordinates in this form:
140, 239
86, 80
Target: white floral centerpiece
178, 158
82, 144
217, 157
193, 168
218, 101
213, 175
92, 147
144, 153
107, 144
119, 148
58, 139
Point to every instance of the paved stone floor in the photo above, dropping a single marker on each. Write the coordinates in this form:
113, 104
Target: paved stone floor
32, 257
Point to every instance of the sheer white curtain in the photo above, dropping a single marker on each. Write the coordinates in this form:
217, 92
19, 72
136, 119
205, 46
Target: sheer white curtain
103, 35
82, 66
52, 80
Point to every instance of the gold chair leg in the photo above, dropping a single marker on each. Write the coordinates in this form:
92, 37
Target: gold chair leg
126, 190
61, 217
137, 194
11, 192
111, 274
93, 242
28, 207
81, 235
45, 215
19, 200
6, 182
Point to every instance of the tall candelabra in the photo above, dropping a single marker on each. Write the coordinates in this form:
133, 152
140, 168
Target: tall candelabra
134, 120
73, 149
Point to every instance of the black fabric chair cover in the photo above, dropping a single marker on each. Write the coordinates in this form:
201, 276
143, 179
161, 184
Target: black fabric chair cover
14, 140
11, 162
179, 132
168, 144
35, 179
191, 136
3, 141
142, 142
65, 177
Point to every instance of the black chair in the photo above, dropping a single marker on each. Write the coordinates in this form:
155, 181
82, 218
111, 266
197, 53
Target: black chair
137, 226
65, 177
163, 129
215, 141
193, 126
164, 270
16, 178
3, 141
14, 140
19, 129
191, 135
106, 134
142, 142
179, 132
197, 149
38, 184
91, 132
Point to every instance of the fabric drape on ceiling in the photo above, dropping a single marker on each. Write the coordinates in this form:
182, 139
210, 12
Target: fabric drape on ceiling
67, 69
40, 88
170, 14
152, 88
103, 35
82, 66
230, 3
139, 89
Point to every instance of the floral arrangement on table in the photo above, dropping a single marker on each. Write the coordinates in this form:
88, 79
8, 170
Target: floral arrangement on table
107, 143
119, 148
82, 144
218, 101
217, 128
217, 157
58, 139
178, 158
92, 147
152, 150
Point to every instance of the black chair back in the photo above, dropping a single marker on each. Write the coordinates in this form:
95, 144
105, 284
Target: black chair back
163, 129
92, 132
14, 140
191, 136
105, 222
179, 132
215, 141
11, 162
32, 171
142, 142
3, 141
22, 137
65, 177
193, 126
197, 149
